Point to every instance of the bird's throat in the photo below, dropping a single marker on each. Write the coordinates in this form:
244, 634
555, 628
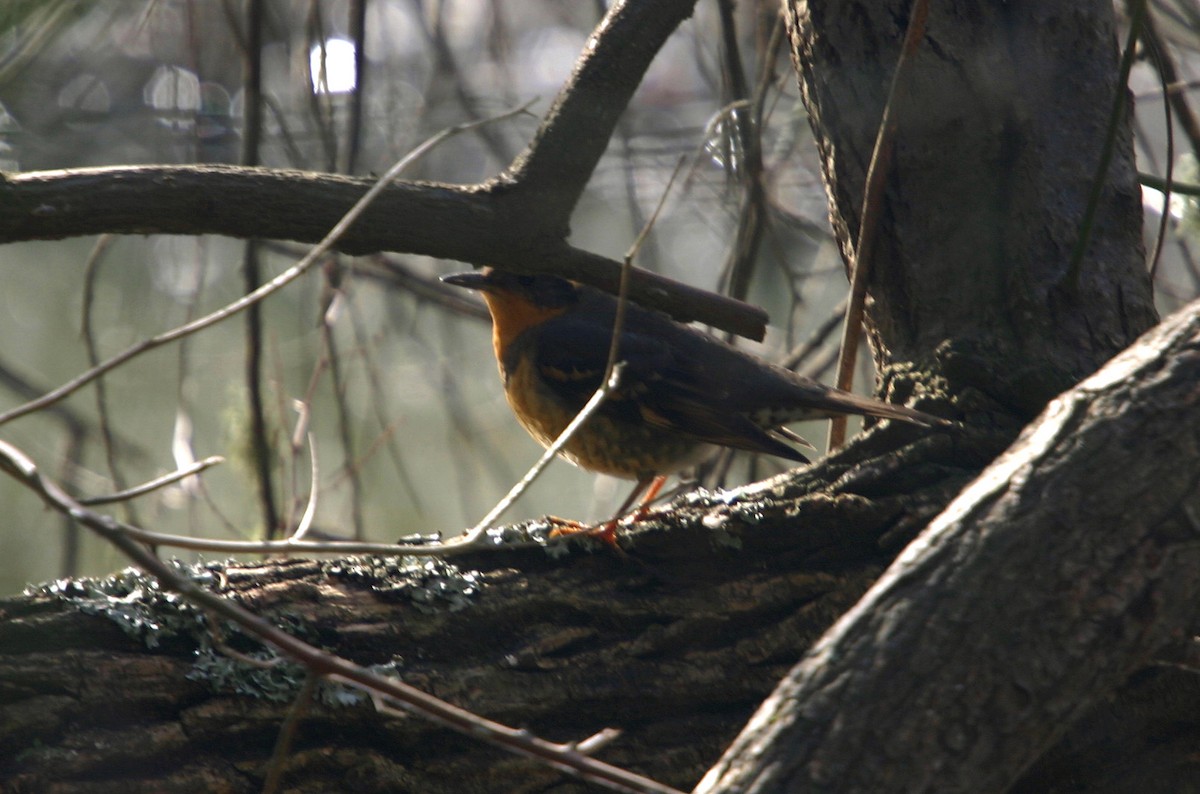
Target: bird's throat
511, 317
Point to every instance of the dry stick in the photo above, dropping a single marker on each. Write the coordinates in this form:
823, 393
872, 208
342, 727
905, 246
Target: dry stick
868, 227
104, 418
1166, 75
475, 533
310, 509
337, 379
155, 484
319, 662
270, 287
1075, 267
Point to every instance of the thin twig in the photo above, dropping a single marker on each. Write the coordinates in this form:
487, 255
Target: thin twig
260, 434
747, 163
1136, 15
322, 663
91, 269
473, 535
269, 288
572, 750
357, 16
310, 509
1163, 67
341, 405
799, 354
868, 226
155, 484
1174, 98
1169, 185
287, 733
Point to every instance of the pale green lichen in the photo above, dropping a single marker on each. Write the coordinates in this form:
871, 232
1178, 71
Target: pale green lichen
136, 602
428, 584
144, 610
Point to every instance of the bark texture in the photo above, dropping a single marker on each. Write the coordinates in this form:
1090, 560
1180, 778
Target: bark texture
1038, 591
1000, 134
675, 646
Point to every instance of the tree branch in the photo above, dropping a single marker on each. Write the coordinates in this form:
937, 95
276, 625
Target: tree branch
556, 166
463, 222
1035, 593
518, 220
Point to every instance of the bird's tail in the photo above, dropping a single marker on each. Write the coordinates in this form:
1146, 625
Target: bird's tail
849, 403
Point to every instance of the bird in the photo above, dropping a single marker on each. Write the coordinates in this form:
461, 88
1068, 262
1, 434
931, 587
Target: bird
683, 393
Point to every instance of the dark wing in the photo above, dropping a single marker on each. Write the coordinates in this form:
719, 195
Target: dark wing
669, 386
571, 355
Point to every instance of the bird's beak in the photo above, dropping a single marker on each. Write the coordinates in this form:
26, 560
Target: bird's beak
470, 280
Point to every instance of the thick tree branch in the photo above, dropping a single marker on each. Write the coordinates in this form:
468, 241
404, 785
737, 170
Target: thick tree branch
1037, 592
518, 220
575, 132
673, 645
470, 223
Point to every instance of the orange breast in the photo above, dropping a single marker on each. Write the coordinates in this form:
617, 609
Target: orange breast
512, 316
605, 444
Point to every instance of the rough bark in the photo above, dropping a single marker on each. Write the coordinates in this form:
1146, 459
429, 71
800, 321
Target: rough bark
1000, 132
674, 645
1035, 594
677, 644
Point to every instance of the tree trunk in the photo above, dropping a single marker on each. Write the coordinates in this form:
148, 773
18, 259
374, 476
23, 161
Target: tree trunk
999, 141
1049, 580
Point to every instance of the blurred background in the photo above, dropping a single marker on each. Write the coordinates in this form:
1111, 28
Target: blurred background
395, 383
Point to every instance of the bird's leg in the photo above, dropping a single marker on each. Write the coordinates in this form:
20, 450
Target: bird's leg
652, 491
607, 531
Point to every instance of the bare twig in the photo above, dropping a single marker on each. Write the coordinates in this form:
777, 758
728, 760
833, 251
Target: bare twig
287, 732
319, 662
354, 123
473, 535
155, 484
1164, 64
1165, 185
310, 509
88, 331
868, 226
1164, 67
342, 408
267, 289
1137, 14
799, 354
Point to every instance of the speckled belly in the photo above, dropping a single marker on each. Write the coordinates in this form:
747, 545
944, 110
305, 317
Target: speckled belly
603, 444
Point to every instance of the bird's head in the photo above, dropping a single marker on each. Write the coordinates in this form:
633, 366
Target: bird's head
545, 292
518, 302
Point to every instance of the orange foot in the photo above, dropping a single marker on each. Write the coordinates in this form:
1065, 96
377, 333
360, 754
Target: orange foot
606, 532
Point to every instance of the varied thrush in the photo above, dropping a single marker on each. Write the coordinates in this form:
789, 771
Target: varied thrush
682, 393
